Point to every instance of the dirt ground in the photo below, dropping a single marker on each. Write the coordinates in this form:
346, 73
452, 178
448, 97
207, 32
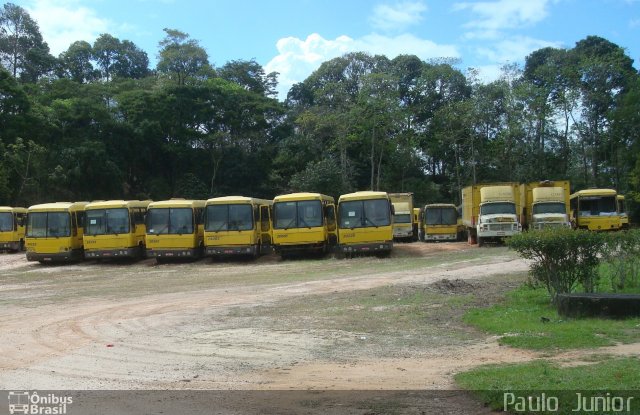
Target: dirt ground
309, 324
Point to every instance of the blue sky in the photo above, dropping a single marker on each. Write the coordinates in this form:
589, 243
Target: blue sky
293, 37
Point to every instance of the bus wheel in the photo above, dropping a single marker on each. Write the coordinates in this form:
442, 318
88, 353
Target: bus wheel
480, 241
22, 247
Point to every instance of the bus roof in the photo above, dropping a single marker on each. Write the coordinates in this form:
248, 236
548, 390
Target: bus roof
440, 205
364, 195
292, 197
224, 200
13, 209
620, 197
107, 204
188, 203
594, 192
58, 206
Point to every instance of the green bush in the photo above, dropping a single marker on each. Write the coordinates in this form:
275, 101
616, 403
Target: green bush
562, 258
623, 257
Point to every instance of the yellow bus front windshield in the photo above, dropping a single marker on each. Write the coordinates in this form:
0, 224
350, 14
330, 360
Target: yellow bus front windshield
232, 217
174, 221
107, 221
6, 222
442, 216
365, 213
301, 214
48, 224
598, 206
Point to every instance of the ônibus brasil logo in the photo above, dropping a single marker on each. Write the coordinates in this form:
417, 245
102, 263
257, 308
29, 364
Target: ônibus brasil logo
32, 403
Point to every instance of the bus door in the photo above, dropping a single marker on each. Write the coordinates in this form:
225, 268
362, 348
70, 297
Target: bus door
330, 215
266, 230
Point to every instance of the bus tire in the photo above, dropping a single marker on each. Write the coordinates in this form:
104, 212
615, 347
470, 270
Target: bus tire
480, 241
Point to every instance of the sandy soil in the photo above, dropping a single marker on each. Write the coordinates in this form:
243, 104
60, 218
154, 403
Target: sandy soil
186, 339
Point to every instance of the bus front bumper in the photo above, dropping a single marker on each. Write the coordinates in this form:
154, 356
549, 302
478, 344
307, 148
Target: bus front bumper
368, 247
231, 250
113, 253
66, 256
440, 237
173, 253
10, 246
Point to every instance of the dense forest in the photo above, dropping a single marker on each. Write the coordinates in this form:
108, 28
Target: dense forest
97, 122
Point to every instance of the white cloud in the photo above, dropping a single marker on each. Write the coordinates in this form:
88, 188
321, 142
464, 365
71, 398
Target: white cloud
398, 16
514, 49
492, 17
298, 58
63, 22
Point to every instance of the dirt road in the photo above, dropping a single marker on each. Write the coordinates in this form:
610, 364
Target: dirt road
246, 325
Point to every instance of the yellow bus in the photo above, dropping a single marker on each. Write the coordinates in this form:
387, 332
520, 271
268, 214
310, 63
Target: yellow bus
237, 225
595, 210
624, 217
115, 229
175, 229
54, 231
303, 222
12, 221
365, 223
440, 222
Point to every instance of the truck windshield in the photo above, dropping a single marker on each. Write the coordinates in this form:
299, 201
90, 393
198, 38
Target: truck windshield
402, 218
236, 217
498, 208
441, 216
107, 221
365, 213
6, 222
48, 224
598, 206
303, 214
174, 221
551, 207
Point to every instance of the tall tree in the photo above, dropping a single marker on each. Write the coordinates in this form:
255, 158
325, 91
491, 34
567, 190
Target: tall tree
182, 58
22, 50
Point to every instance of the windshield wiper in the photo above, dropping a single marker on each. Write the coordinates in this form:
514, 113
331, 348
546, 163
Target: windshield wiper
370, 221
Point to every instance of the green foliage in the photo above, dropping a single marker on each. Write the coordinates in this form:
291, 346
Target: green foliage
561, 258
518, 321
620, 374
321, 177
623, 259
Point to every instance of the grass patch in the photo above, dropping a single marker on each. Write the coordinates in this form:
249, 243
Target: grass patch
526, 319
490, 382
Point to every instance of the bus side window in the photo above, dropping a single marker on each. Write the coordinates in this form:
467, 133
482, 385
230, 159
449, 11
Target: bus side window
20, 217
74, 224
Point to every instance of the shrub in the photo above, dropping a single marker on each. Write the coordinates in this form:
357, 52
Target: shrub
561, 258
623, 256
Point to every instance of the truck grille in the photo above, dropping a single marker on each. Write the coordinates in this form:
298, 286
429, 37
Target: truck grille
500, 226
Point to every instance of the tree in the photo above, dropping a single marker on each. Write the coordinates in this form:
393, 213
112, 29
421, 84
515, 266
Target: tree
76, 62
251, 76
22, 49
182, 58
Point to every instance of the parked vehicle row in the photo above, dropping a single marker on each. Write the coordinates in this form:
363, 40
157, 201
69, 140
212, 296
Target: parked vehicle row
361, 222
218, 227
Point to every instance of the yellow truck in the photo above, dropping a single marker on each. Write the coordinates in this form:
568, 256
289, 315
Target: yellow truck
12, 221
491, 211
304, 222
174, 229
439, 222
402, 216
115, 229
546, 204
365, 223
54, 232
237, 225
595, 210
